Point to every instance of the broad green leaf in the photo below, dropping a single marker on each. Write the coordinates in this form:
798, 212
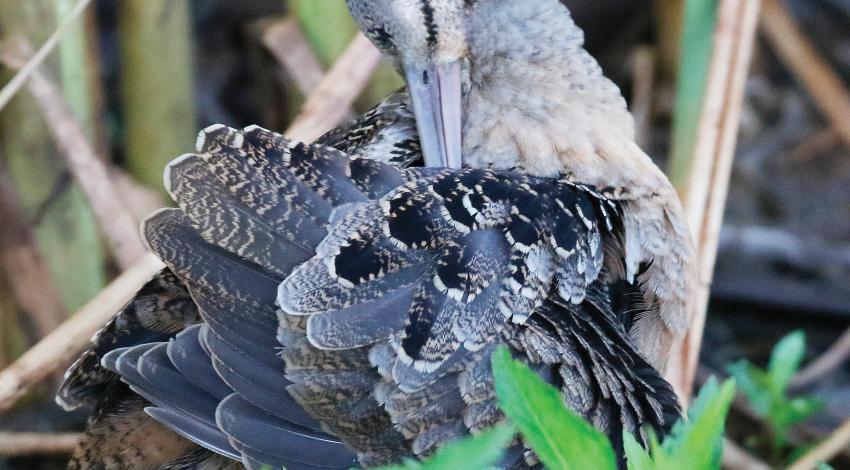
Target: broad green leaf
562, 439
785, 360
479, 452
637, 458
697, 443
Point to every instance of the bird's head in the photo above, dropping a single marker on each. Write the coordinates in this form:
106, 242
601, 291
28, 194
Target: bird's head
506, 84
426, 40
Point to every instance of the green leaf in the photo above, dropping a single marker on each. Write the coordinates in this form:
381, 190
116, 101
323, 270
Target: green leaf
802, 408
481, 451
767, 390
785, 361
754, 382
824, 466
697, 443
637, 458
562, 439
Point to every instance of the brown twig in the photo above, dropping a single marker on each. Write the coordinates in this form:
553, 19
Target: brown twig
328, 105
58, 349
25, 268
795, 49
15, 444
31, 65
54, 352
812, 146
736, 457
836, 443
832, 359
708, 183
286, 42
89, 170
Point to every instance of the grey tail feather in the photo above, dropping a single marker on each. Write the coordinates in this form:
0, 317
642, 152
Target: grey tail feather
161, 308
190, 358
251, 429
227, 250
232, 427
202, 434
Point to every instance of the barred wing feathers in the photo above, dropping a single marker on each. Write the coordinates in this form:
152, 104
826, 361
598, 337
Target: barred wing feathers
163, 306
446, 266
349, 305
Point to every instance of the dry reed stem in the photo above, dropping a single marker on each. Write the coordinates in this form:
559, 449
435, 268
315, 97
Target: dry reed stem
795, 49
26, 69
836, 443
25, 268
286, 42
708, 183
21, 444
813, 146
329, 103
54, 352
63, 345
89, 169
831, 360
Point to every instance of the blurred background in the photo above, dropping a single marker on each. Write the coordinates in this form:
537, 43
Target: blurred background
140, 77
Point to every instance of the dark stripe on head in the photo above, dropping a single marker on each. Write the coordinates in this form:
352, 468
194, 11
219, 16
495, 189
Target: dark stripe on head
430, 23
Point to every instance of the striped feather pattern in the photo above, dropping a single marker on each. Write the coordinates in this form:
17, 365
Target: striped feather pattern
349, 307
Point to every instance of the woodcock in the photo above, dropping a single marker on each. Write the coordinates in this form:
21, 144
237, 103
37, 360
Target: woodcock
335, 304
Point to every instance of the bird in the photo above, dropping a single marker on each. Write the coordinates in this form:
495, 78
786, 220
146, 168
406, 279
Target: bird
335, 304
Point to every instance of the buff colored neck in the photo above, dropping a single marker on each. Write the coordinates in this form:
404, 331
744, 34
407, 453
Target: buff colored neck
538, 102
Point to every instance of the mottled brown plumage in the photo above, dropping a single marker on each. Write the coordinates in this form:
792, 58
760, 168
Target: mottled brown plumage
122, 435
350, 302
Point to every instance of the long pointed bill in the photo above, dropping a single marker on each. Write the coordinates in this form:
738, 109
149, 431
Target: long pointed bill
435, 93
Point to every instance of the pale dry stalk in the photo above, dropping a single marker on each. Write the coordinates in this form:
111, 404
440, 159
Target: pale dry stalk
704, 195
56, 351
329, 103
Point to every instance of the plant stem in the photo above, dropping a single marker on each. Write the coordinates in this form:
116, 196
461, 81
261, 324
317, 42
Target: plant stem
703, 164
65, 227
157, 82
697, 44
669, 16
326, 24
329, 28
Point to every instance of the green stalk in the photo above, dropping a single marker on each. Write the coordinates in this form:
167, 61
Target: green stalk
326, 24
74, 66
696, 50
157, 84
329, 27
66, 229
